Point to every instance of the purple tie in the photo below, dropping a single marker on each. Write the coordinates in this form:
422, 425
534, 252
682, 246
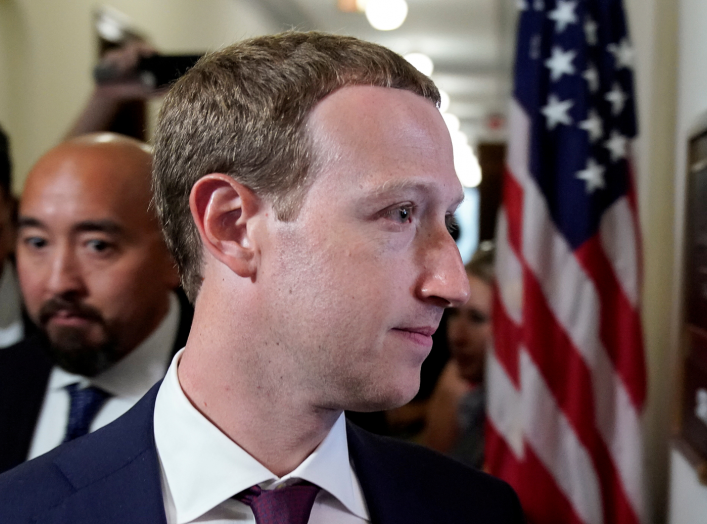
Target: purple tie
289, 505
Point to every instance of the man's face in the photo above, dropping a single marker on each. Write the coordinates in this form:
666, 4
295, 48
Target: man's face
92, 266
469, 329
357, 284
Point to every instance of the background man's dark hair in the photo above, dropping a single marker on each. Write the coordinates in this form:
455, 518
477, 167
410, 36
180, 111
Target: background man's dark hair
243, 111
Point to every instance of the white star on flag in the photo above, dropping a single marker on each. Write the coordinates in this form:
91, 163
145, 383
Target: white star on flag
591, 75
616, 146
617, 98
563, 15
623, 54
592, 125
593, 175
590, 31
556, 111
560, 63
539, 5
522, 6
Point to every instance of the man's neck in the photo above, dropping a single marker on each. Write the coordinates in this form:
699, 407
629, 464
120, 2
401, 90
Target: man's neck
273, 424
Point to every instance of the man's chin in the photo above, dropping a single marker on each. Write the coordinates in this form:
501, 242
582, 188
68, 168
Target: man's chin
75, 351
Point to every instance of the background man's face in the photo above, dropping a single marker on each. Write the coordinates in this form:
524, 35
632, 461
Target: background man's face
359, 281
469, 330
92, 266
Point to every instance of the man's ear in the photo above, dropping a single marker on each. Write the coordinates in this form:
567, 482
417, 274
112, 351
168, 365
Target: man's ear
222, 209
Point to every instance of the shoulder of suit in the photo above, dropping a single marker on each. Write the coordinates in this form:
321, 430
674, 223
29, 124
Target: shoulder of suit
424, 473
31, 489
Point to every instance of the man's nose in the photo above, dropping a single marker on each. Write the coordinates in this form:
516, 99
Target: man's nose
444, 278
65, 273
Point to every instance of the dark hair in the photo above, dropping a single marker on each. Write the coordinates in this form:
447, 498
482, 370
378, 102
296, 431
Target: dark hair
242, 111
5, 165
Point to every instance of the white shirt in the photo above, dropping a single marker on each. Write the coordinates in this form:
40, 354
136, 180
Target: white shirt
11, 328
202, 468
127, 381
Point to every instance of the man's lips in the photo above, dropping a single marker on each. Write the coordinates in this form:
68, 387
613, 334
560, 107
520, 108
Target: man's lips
69, 318
421, 335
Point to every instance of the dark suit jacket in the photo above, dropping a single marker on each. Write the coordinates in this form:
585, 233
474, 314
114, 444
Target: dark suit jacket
24, 374
112, 476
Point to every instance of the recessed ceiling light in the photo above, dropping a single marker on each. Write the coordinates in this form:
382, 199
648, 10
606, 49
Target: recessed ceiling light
386, 15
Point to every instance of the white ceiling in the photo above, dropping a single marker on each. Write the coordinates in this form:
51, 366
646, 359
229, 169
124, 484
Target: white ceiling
470, 42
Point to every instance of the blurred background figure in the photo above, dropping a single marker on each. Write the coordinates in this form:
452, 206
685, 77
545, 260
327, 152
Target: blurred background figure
12, 326
98, 282
104, 110
456, 412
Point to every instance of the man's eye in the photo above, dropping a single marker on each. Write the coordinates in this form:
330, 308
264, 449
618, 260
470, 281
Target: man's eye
401, 214
99, 246
34, 242
452, 225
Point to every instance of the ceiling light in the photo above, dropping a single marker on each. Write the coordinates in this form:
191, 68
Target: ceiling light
452, 122
466, 165
443, 101
421, 62
386, 15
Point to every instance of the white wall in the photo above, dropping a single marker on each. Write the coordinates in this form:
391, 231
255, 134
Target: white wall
688, 499
47, 51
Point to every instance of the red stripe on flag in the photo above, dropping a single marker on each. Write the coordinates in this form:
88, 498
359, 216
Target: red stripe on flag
620, 324
535, 486
513, 204
570, 381
507, 338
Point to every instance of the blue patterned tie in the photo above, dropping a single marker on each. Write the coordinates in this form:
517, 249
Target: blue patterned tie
289, 505
85, 403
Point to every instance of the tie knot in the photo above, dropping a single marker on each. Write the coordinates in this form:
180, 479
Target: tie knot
288, 505
85, 403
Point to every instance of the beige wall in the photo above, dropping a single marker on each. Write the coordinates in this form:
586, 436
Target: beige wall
688, 498
47, 51
653, 25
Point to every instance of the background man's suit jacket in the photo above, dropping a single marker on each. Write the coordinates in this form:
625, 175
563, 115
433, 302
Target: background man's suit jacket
24, 374
112, 476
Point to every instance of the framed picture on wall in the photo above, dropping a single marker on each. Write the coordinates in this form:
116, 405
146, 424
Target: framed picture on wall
693, 424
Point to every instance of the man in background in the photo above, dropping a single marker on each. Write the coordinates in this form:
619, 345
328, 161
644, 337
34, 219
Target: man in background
97, 281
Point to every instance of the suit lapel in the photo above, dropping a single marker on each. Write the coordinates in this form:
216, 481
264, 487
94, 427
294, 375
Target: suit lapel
115, 473
388, 480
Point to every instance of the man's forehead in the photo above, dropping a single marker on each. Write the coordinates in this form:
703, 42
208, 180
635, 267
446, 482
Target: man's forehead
390, 140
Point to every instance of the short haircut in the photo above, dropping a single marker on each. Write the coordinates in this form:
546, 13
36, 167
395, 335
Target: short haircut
5, 165
242, 111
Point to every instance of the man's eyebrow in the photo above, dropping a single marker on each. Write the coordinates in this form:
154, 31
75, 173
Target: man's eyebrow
29, 222
394, 186
103, 226
108, 226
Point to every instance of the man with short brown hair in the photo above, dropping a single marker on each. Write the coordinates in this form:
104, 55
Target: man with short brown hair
305, 183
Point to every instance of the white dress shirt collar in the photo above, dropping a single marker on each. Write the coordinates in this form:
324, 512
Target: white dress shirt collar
202, 467
133, 375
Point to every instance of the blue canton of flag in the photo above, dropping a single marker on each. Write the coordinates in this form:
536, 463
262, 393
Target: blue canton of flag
574, 78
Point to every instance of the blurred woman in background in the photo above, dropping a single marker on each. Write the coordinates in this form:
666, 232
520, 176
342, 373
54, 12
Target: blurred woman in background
456, 413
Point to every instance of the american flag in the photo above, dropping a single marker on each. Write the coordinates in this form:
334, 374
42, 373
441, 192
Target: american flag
566, 378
